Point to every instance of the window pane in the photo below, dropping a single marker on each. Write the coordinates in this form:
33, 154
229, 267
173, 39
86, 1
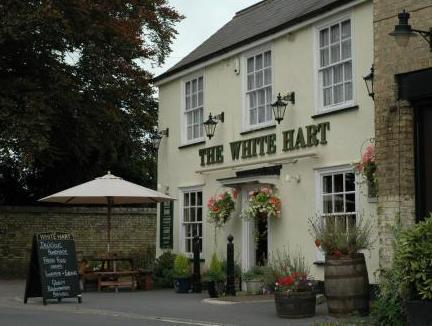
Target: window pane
349, 182
327, 184
268, 95
327, 94
192, 199
187, 88
267, 59
199, 214
267, 76
348, 91
261, 97
346, 29
189, 132
327, 75
188, 103
335, 53
324, 35
194, 100
250, 65
200, 230
327, 204
338, 182
199, 198
195, 131
337, 74
324, 57
200, 98
200, 84
186, 199
186, 214
350, 202
261, 114
188, 245
346, 49
252, 100
334, 33
269, 113
194, 86
347, 71
253, 117
251, 81
338, 94
339, 203
259, 79
192, 214
258, 62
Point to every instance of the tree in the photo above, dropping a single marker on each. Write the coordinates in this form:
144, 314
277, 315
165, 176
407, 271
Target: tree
74, 98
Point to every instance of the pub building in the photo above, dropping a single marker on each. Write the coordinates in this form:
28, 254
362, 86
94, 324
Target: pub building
219, 130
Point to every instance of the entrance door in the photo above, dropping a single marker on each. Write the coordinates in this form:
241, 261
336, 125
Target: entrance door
261, 240
424, 160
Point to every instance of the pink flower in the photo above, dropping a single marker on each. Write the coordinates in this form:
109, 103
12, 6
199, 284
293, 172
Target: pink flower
251, 193
235, 194
265, 190
368, 155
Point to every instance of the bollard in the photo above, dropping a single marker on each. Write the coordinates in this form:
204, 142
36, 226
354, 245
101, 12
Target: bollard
230, 272
196, 265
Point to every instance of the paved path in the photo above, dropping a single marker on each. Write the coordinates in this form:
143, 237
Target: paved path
157, 307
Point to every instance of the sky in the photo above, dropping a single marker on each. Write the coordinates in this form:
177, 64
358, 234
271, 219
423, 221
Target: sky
202, 19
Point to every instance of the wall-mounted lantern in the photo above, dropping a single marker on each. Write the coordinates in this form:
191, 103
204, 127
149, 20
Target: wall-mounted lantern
369, 81
279, 107
158, 137
403, 31
211, 123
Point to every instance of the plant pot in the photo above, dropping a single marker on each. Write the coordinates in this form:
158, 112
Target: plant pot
215, 288
295, 304
346, 285
254, 286
144, 281
419, 312
182, 285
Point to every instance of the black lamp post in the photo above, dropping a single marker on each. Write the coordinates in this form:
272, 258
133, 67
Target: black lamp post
211, 123
403, 31
279, 107
158, 137
369, 81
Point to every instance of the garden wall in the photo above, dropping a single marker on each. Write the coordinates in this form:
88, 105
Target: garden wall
133, 230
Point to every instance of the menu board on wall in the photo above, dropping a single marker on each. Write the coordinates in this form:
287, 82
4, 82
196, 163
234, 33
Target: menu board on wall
166, 225
53, 270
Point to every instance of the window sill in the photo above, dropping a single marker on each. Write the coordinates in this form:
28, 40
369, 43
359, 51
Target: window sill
200, 142
249, 131
335, 111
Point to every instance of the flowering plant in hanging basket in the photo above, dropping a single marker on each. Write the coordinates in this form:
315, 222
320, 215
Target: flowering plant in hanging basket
220, 207
262, 203
367, 167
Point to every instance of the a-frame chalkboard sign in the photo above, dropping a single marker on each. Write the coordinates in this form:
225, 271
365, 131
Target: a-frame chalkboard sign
53, 271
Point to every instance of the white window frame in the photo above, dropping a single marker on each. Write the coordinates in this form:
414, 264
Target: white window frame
182, 223
319, 174
184, 122
246, 126
319, 105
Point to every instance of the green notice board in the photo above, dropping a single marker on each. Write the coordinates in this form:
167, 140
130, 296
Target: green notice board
166, 225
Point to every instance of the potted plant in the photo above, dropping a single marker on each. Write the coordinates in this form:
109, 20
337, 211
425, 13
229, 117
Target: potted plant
346, 279
182, 274
367, 168
413, 260
262, 204
216, 277
220, 208
254, 280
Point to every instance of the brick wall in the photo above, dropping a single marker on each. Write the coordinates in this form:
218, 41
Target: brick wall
393, 118
132, 230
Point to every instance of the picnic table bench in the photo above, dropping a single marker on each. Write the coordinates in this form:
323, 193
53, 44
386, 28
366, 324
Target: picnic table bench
115, 279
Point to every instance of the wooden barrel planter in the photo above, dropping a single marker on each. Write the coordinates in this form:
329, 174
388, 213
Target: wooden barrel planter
295, 304
346, 285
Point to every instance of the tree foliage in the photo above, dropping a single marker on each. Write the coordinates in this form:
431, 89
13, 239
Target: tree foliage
74, 98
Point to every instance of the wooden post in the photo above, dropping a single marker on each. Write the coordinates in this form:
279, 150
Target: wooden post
196, 265
230, 272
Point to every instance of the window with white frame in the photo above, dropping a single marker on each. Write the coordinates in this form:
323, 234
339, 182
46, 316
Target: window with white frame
194, 99
259, 89
338, 198
335, 65
192, 222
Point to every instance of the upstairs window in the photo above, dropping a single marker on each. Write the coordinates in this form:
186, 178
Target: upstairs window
194, 99
335, 66
259, 89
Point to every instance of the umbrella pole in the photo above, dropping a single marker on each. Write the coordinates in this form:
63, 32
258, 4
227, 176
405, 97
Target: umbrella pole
109, 200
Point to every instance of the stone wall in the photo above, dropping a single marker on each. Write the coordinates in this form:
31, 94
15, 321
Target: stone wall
394, 119
132, 230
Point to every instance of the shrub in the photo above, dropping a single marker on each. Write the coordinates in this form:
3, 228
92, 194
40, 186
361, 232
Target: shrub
256, 273
144, 259
163, 270
336, 238
182, 268
215, 272
413, 258
283, 263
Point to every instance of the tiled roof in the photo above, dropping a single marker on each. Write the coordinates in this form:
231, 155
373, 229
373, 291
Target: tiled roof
255, 22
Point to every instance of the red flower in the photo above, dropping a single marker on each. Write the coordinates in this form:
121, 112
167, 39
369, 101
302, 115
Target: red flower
317, 242
285, 281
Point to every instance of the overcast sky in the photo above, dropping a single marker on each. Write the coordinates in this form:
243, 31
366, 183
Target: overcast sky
203, 18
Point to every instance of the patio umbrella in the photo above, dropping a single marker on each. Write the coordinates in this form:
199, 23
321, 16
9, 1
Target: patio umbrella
109, 190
